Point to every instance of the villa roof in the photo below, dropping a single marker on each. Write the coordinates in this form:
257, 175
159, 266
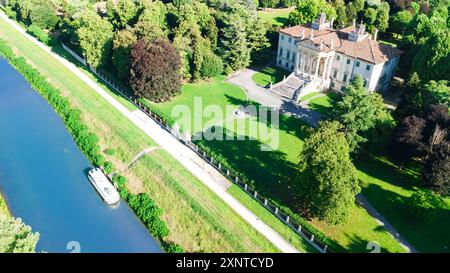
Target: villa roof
367, 49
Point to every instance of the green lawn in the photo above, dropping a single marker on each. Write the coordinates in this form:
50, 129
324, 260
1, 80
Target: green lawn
269, 75
198, 220
276, 17
387, 188
196, 96
273, 173
308, 96
324, 104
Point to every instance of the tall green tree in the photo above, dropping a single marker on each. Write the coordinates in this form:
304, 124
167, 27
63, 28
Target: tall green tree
327, 176
95, 37
359, 111
308, 11
16, 237
122, 43
121, 13
382, 20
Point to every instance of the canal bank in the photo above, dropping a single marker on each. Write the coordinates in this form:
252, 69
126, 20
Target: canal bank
43, 179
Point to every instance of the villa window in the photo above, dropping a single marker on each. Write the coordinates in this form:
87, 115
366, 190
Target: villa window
282, 37
332, 84
357, 63
288, 53
292, 67
338, 57
287, 64
281, 52
335, 74
365, 83
293, 56
279, 62
344, 79
368, 67
289, 40
348, 61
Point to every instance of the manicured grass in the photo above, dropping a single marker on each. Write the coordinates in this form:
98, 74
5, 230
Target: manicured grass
199, 221
276, 17
387, 188
308, 96
269, 75
215, 92
324, 104
273, 173
269, 218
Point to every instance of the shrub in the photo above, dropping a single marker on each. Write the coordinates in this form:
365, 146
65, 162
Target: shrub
174, 248
40, 34
110, 151
108, 167
422, 205
212, 66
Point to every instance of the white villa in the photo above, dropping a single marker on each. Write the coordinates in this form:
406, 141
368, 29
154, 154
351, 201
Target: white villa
323, 58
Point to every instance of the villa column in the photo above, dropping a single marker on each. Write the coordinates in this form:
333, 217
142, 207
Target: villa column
317, 66
325, 68
330, 65
298, 61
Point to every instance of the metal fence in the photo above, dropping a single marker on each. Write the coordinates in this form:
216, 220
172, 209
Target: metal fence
230, 175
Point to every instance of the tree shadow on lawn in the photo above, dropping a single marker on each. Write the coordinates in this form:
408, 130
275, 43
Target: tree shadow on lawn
382, 170
359, 245
430, 236
271, 173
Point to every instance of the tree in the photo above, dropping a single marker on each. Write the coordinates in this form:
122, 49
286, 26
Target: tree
308, 11
359, 111
38, 12
370, 16
409, 135
212, 66
400, 21
122, 13
341, 13
327, 177
95, 37
235, 48
16, 237
437, 169
155, 70
382, 20
123, 41
268, 3
422, 205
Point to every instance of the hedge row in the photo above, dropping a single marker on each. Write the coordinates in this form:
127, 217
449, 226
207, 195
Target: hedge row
41, 35
87, 141
150, 214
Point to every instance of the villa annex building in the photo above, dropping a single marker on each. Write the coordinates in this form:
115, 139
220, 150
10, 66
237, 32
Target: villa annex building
323, 58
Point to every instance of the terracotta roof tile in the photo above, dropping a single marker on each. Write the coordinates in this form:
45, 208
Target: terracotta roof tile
366, 49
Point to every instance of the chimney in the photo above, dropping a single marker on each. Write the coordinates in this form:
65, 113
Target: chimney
302, 34
311, 35
331, 22
321, 44
332, 44
375, 34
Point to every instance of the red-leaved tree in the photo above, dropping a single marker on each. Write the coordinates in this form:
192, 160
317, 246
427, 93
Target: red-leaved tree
154, 72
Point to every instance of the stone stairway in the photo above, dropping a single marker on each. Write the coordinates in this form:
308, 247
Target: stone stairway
288, 87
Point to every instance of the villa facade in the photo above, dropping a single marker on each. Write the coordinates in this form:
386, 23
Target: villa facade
328, 58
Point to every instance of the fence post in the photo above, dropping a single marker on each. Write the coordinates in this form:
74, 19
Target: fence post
204, 154
299, 228
245, 186
265, 202
236, 179
312, 237
287, 219
228, 172
276, 210
220, 166
256, 194
325, 249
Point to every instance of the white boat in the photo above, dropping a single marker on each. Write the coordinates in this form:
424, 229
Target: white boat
103, 186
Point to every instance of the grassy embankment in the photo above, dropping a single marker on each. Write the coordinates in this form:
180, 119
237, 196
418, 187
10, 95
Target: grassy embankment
198, 220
